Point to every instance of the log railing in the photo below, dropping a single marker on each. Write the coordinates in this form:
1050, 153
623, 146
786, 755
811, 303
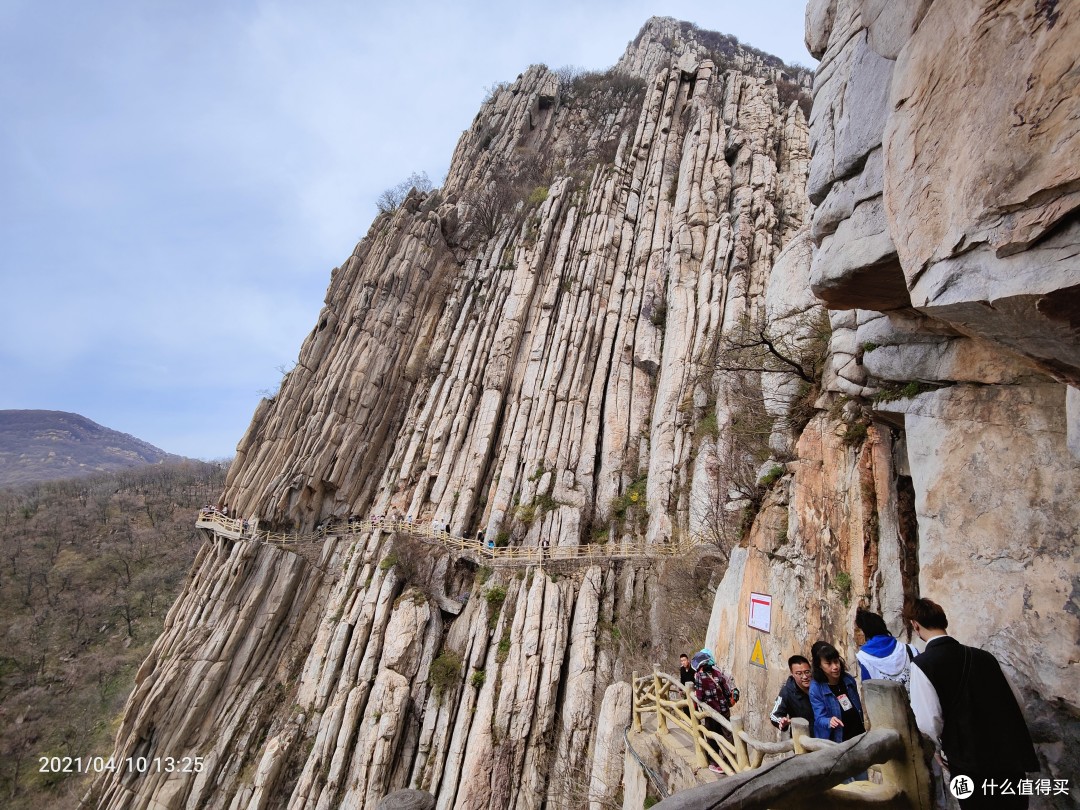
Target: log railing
488, 553
809, 772
673, 703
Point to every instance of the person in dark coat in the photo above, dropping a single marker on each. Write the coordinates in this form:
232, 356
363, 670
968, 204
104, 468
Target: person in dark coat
963, 702
686, 678
794, 697
686, 672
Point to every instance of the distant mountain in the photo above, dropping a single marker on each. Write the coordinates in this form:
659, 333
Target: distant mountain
46, 445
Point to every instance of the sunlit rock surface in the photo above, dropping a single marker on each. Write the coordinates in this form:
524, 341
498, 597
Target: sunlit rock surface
944, 181
528, 351
533, 351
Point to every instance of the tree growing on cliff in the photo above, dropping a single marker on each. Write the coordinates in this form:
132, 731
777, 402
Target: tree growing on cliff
567, 75
765, 379
490, 207
723, 510
792, 346
391, 199
778, 363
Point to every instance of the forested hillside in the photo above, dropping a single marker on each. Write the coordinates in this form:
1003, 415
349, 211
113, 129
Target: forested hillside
89, 568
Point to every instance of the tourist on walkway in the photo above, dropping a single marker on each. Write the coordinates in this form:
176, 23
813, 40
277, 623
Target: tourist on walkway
714, 689
686, 678
963, 703
686, 672
834, 696
882, 656
794, 697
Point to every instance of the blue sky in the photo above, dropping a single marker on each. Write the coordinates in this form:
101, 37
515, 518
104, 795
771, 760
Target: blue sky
178, 179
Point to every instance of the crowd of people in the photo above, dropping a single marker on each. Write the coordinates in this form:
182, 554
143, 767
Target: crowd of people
959, 696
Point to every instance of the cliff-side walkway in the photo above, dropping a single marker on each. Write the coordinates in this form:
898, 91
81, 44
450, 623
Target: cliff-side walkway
476, 550
800, 772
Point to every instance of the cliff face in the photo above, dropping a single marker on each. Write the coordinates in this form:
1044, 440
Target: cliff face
609, 324
944, 179
528, 350
467, 344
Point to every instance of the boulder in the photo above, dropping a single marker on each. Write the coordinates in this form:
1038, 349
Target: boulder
407, 800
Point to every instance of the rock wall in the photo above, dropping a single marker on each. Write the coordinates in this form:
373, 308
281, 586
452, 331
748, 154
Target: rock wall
528, 350
560, 345
473, 357
946, 243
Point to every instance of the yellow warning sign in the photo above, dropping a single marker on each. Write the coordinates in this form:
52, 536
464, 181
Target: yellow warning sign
757, 657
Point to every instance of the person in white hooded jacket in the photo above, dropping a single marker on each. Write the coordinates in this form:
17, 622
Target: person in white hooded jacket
882, 656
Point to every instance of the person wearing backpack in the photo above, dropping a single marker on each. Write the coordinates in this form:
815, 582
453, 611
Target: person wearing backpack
715, 689
964, 704
882, 656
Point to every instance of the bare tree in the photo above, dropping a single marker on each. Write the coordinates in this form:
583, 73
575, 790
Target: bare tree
490, 208
569, 781
391, 199
793, 346
787, 351
782, 361
724, 509
567, 75
126, 610
16, 748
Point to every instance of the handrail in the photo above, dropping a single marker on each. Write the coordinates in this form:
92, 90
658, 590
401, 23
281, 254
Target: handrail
497, 555
808, 781
742, 752
810, 773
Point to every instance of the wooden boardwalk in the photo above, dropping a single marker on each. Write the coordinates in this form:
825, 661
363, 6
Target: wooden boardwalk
476, 550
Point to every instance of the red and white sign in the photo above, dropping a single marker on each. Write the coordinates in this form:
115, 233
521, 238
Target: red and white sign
760, 617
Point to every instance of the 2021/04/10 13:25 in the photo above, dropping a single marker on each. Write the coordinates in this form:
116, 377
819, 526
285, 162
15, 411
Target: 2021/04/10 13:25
130, 764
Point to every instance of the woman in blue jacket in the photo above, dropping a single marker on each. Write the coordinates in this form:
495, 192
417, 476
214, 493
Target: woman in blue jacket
834, 697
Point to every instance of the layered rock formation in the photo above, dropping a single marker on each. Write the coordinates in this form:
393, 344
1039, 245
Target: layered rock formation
609, 324
944, 179
468, 345
528, 350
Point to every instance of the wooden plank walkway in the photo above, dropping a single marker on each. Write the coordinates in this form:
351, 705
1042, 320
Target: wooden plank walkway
679, 748
480, 552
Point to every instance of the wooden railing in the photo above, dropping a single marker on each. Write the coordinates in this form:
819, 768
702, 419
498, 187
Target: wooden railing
484, 552
673, 703
808, 772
